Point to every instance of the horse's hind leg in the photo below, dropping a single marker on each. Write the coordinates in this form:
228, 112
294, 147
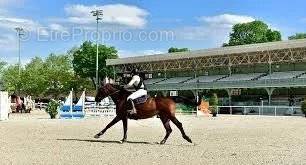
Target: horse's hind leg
113, 122
166, 123
180, 127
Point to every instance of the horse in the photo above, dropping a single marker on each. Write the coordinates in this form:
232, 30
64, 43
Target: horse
164, 107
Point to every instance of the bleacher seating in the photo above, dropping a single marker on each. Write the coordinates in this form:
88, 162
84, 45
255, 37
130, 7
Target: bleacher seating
302, 76
206, 79
226, 78
153, 81
175, 80
282, 75
242, 77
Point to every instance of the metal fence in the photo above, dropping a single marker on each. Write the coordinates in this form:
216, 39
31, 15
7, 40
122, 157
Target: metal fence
260, 110
110, 110
41, 105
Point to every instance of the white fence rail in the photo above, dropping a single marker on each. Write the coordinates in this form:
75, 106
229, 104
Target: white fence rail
100, 110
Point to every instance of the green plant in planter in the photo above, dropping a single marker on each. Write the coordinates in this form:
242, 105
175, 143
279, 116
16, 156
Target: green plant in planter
52, 108
213, 103
303, 107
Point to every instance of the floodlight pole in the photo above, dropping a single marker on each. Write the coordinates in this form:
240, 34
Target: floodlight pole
98, 14
20, 32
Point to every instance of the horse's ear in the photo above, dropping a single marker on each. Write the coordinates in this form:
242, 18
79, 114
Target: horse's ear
112, 81
102, 83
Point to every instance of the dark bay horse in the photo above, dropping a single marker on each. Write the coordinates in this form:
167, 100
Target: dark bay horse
162, 106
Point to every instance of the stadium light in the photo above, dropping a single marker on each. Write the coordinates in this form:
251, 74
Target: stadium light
98, 14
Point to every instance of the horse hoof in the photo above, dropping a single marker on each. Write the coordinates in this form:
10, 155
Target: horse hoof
188, 139
97, 136
122, 141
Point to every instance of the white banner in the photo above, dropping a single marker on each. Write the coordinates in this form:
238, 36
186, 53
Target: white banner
4, 105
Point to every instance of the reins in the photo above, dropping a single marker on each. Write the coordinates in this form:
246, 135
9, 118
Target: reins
114, 92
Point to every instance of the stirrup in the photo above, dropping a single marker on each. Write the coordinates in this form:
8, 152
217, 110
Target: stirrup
132, 111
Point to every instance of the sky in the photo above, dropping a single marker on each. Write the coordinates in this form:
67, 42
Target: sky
136, 27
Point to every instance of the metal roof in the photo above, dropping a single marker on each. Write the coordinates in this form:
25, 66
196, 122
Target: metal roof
290, 44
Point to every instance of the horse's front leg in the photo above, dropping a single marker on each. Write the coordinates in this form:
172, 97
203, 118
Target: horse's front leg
113, 122
125, 124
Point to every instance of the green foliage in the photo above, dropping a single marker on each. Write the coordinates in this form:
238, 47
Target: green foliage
174, 50
2, 65
10, 78
251, 33
52, 108
186, 108
213, 103
84, 60
59, 74
52, 77
34, 79
303, 107
297, 36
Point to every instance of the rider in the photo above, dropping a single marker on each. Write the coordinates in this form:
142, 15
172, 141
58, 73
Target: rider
138, 84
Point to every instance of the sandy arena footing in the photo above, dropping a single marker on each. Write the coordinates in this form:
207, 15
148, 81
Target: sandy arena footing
35, 139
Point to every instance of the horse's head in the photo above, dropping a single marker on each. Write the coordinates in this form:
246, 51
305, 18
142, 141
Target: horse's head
104, 91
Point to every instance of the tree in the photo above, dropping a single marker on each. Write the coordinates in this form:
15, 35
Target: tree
59, 74
35, 78
2, 66
213, 103
84, 60
10, 78
174, 50
251, 33
297, 36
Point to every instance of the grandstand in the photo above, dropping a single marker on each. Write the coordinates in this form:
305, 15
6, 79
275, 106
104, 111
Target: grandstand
283, 75
276, 71
175, 80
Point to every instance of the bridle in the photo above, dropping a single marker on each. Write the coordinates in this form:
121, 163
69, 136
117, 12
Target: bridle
114, 92
118, 90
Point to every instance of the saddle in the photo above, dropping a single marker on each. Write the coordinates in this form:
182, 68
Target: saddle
141, 100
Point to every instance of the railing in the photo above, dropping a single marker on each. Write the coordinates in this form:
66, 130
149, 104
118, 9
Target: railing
41, 105
100, 110
260, 110
295, 82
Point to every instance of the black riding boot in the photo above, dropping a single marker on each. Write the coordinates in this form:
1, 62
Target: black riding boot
132, 109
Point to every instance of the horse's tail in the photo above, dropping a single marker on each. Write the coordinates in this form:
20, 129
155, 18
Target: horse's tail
187, 101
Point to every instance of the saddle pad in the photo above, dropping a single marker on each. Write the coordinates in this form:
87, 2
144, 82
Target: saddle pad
141, 100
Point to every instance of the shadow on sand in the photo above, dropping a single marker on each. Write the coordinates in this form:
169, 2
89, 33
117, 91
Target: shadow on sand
119, 142
105, 141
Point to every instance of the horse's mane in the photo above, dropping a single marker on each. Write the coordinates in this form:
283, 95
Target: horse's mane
119, 87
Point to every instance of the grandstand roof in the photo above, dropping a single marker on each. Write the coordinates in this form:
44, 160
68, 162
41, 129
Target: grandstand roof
270, 46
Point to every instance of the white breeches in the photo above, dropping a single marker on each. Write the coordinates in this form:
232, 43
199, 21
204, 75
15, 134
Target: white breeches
137, 94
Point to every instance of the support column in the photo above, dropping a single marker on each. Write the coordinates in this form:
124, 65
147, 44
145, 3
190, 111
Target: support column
197, 98
229, 65
270, 92
270, 64
165, 93
114, 74
229, 92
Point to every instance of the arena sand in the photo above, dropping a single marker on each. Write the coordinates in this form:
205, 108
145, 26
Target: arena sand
35, 139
